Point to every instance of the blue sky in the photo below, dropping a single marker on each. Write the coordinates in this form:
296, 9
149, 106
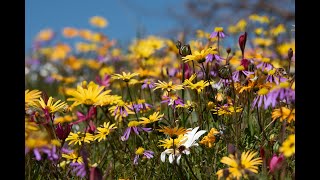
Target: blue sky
124, 16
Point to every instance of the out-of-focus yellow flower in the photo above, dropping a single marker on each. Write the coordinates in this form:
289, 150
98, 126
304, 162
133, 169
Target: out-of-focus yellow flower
260, 19
259, 31
93, 64
60, 51
73, 63
45, 35
283, 48
98, 21
106, 70
85, 34
241, 25
209, 139
202, 34
284, 114
288, 146
278, 30
70, 32
126, 77
63, 119
86, 47
262, 42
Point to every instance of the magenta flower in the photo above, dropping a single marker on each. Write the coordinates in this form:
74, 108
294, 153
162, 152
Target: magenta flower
62, 131
141, 151
79, 169
105, 81
172, 100
81, 117
275, 163
133, 126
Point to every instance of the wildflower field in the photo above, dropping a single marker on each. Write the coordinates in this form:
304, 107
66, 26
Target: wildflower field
185, 108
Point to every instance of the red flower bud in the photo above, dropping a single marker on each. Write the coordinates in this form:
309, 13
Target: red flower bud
63, 131
242, 42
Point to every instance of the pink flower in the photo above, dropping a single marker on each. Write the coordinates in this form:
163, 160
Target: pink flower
275, 162
242, 42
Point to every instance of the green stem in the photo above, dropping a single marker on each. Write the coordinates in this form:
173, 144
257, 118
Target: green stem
134, 109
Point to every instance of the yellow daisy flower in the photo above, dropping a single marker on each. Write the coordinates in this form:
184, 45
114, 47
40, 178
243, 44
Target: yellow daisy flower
104, 131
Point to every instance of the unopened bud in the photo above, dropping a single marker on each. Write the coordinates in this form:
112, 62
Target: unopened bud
242, 42
178, 44
224, 72
228, 50
290, 53
185, 50
231, 149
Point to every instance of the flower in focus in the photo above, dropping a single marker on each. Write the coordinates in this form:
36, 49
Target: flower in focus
167, 86
152, 118
98, 21
133, 126
79, 138
173, 132
260, 98
120, 110
104, 131
199, 86
125, 77
188, 141
50, 106
141, 105
141, 151
288, 146
31, 96
240, 166
199, 56
210, 138
218, 32
89, 95
172, 100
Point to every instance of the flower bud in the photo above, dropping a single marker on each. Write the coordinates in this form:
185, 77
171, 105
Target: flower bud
185, 50
224, 72
231, 149
245, 63
228, 50
242, 42
63, 131
290, 53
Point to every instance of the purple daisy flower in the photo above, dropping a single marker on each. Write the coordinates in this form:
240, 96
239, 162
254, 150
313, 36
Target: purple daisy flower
261, 98
265, 66
148, 83
141, 151
79, 169
172, 100
218, 32
281, 93
142, 105
51, 153
240, 70
133, 126
211, 57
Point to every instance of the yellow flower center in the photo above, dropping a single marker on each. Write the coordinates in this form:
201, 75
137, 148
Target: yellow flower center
218, 29
284, 84
263, 91
88, 101
133, 123
139, 151
240, 68
266, 60
271, 72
